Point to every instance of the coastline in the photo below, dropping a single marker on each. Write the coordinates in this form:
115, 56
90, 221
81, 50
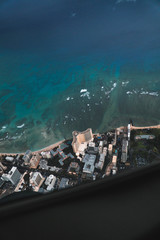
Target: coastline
50, 147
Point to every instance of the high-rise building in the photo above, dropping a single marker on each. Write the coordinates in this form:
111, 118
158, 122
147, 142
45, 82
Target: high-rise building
81, 138
13, 176
27, 156
36, 180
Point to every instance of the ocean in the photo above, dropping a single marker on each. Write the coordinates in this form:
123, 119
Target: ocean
72, 64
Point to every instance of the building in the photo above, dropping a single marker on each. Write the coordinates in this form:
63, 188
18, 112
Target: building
27, 156
2, 167
50, 182
89, 161
35, 161
129, 131
9, 159
79, 138
105, 151
124, 157
73, 168
114, 160
115, 139
110, 147
101, 161
91, 149
147, 137
46, 155
36, 180
13, 176
63, 183
21, 186
1, 182
53, 153
43, 164
63, 146
101, 144
124, 150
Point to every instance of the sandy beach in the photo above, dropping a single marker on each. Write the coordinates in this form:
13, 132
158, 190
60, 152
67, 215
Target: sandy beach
48, 148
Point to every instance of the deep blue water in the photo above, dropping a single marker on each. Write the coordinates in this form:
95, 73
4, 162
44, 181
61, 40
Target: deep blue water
71, 64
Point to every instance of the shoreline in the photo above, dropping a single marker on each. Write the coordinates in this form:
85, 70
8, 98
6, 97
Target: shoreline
50, 147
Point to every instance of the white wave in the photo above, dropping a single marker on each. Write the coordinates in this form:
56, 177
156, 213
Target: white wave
144, 93
149, 93
121, 1
154, 94
107, 92
21, 126
86, 94
14, 137
129, 92
125, 83
83, 90
114, 85
69, 98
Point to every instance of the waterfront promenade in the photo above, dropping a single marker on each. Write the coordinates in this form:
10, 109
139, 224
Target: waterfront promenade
148, 127
135, 128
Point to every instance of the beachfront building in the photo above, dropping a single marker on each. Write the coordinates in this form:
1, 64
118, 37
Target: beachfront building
80, 140
27, 156
35, 161
9, 159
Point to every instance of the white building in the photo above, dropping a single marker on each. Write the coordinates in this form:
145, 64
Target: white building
129, 131
13, 176
50, 182
36, 180
9, 159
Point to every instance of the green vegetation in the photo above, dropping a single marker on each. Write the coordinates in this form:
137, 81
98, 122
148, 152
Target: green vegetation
148, 150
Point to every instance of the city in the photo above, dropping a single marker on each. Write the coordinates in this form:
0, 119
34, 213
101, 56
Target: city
85, 158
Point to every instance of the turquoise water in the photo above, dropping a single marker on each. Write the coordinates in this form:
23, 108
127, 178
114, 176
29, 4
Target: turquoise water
54, 83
